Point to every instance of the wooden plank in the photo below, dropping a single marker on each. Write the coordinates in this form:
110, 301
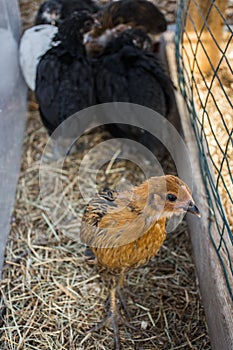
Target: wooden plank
215, 295
12, 124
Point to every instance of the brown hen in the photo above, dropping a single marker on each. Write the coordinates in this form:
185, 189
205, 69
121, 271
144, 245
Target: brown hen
116, 16
137, 13
126, 229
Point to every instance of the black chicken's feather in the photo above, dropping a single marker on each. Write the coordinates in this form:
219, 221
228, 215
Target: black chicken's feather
125, 72
64, 81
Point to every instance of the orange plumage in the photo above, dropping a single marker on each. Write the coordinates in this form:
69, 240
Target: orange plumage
126, 229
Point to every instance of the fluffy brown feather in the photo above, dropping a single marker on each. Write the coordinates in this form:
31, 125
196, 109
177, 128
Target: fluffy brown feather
126, 229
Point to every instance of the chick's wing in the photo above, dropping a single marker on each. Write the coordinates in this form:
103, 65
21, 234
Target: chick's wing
114, 219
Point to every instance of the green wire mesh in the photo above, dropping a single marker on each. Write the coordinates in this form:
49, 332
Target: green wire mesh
204, 57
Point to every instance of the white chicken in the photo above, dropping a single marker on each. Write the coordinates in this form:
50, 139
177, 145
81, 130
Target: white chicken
34, 43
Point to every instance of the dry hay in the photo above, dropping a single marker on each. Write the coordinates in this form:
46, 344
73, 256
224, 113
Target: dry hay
213, 93
51, 296
218, 130
29, 7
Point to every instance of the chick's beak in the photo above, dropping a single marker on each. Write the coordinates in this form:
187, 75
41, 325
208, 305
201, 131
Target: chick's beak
192, 208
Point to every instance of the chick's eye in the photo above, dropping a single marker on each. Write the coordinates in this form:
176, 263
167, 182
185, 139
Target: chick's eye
171, 197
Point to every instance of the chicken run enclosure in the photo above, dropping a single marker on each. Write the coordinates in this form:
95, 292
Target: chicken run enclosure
49, 296
204, 48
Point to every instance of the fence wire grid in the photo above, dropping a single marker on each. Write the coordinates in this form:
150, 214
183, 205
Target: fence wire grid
204, 54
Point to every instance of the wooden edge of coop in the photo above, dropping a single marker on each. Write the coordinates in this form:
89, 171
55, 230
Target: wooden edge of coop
215, 295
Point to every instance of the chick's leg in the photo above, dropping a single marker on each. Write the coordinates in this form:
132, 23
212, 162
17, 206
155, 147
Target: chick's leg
112, 317
121, 295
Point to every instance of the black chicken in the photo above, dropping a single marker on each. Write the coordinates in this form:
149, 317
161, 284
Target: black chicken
64, 81
54, 11
127, 72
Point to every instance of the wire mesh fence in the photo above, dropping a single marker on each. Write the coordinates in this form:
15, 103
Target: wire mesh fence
204, 53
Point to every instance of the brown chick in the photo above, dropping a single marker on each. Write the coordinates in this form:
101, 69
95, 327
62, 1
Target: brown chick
126, 229
129, 13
